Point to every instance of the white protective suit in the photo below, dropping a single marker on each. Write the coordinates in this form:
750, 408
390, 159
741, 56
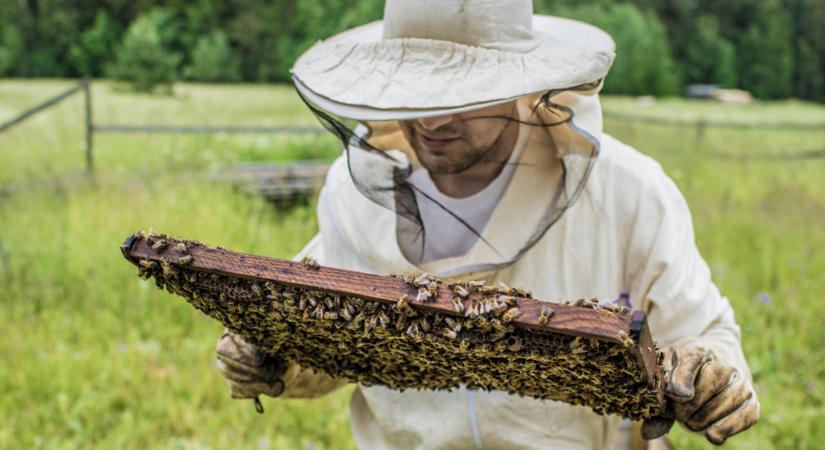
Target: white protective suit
628, 234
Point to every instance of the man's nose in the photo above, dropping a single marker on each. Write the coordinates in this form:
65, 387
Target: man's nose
433, 123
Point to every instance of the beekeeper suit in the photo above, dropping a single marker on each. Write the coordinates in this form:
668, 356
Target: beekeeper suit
563, 210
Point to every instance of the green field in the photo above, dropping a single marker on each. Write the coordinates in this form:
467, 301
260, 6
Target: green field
93, 357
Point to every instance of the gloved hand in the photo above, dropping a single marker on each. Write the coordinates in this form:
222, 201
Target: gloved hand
250, 371
706, 392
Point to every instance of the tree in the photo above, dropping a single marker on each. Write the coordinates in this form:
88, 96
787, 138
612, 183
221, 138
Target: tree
765, 54
643, 65
213, 60
708, 57
142, 60
90, 52
11, 49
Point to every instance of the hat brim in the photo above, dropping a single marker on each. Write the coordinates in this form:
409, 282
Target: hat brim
356, 74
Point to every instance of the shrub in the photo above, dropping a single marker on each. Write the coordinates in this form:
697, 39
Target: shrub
143, 60
213, 60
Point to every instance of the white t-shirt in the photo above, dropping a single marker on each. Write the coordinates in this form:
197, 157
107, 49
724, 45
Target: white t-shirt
444, 235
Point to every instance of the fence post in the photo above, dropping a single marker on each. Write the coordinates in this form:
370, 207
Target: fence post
700, 132
87, 96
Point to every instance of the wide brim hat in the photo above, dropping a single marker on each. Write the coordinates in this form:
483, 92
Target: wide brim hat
432, 57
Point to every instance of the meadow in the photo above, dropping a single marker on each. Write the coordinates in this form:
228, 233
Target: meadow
93, 357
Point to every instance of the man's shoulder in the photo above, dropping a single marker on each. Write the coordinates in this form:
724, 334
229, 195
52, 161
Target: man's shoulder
624, 178
624, 164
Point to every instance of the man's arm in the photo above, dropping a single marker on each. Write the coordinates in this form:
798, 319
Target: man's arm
708, 383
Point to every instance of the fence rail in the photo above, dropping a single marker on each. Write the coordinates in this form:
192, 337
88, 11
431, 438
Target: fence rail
20, 118
91, 128
204, 129
790, 126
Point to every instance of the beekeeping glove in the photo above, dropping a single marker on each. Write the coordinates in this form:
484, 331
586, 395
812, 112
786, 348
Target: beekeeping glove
707, 390
249, 371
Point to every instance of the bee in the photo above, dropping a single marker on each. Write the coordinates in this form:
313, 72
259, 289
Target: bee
423, 295
181, 247
383, 319
413, 329
449, 333
524, 293
402, 303
503, 289
318, 312
422, 280
627, 341
330, 315
302, 303
624, 310
408, 277
546, 313
401, 322
312, 300
256, 289
476, 284
508, 299
371, 323
500, 326
459, 289
458, 305
310, 263
472, 310
185, 260
453, 324
487, 290
346, 314
159, 245
329, 302
424, 324
511, 314
433, 288
593, 302
147, 264
576, 346
580, 302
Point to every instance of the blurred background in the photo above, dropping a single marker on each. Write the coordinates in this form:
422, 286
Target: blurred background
124, 115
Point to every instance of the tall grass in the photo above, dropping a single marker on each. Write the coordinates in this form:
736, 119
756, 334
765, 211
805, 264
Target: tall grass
93, 357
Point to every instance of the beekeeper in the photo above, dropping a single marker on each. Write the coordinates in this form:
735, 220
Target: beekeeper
474, 149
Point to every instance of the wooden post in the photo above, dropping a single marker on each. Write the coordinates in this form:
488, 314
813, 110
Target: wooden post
87, 96
700, 132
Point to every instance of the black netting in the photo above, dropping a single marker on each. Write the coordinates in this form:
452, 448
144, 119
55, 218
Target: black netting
381, 161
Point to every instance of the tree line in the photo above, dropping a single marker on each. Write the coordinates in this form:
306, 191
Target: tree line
772, 48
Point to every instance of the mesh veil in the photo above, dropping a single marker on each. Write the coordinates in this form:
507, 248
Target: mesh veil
550, 174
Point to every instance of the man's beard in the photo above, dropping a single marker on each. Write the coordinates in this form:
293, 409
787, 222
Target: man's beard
452, 166
456, 164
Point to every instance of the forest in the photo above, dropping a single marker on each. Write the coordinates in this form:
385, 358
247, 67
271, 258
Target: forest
771, 48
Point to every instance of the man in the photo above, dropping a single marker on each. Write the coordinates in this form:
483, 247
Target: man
474, 149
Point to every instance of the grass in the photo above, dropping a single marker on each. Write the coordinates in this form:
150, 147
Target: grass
92, 357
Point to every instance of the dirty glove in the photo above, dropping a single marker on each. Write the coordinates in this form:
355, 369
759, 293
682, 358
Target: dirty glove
250, 371
705, 391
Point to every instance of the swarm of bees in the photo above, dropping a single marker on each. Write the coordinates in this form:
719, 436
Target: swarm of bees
403, 346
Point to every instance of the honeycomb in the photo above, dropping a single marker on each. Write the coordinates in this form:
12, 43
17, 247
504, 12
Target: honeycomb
481, 336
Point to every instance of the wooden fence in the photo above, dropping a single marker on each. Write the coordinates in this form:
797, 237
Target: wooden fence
84, 86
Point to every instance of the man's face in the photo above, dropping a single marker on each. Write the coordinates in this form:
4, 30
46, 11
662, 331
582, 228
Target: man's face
454, 143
